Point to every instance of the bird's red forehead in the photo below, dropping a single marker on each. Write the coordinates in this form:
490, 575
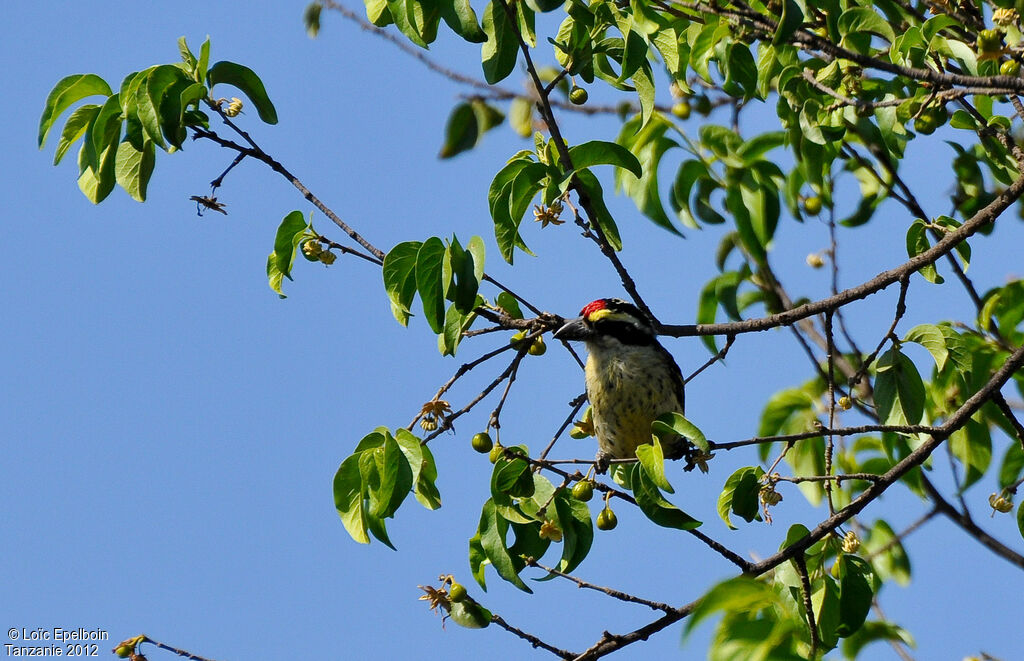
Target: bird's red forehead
592, 307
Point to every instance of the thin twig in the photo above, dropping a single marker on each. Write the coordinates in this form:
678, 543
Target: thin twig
805, 594
534, 641
611, 592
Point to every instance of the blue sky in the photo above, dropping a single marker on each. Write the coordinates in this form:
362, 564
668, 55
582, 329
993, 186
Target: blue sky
171, 427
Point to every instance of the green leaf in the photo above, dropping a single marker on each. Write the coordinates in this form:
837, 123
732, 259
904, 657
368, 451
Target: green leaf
899, 390
889, 558
501, 49
740, 495
509, 304
460, 17
604, 217
577, 530
186, 53
931, 338
66, 92
791, 20
512, 477
145, 106
652, 458
246, 80
653, 504
461, 132
370, 480
825, 602
424, 471
477, 560
134, 166
690, 172
429, 265
972, 445
455, 324
1020, 518
860, 20
492, 532
104, 131
650, 144
410, 18
917, 243
95, 183
752, 150
292, 226
740, 72
599, 152
874, 631
399, 271
74, 129
676, 424
855, 594
511, 187
1012, 465
736, 595
348, 499
204, 61
520, 116
643, 81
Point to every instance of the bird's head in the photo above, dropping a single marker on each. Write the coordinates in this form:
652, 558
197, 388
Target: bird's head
609, 318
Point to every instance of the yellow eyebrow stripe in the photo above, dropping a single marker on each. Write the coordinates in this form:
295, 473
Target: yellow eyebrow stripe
610, 315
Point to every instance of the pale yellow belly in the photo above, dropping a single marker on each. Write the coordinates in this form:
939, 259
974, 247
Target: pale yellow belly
626, 395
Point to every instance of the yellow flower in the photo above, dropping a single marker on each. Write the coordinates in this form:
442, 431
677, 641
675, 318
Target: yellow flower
1005, 17
546, 215
436, 598
850, 542
550, 530
1000, 504
234, 108
701, 460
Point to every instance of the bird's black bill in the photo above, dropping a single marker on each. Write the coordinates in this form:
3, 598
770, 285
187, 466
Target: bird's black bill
575, 329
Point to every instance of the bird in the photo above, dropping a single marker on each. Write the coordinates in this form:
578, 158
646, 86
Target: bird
631, 379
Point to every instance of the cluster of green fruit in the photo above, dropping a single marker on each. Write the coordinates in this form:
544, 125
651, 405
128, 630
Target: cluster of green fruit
582, 490
537, 346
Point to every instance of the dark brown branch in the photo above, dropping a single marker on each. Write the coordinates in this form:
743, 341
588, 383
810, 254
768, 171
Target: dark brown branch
965, 521
805, 594
1004, 407
612, 642
720, 356
534, 641
955, 421
260, 155
611, 592
838, 431
175, 650
979, 220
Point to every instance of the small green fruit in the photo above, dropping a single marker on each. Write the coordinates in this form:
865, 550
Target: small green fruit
496, 453
482, 442
606, 519
682, 110
538, 348
578, 96
124, 651
1010, 68
583, 490
457, 592
990, 42
812, 205
925, 124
